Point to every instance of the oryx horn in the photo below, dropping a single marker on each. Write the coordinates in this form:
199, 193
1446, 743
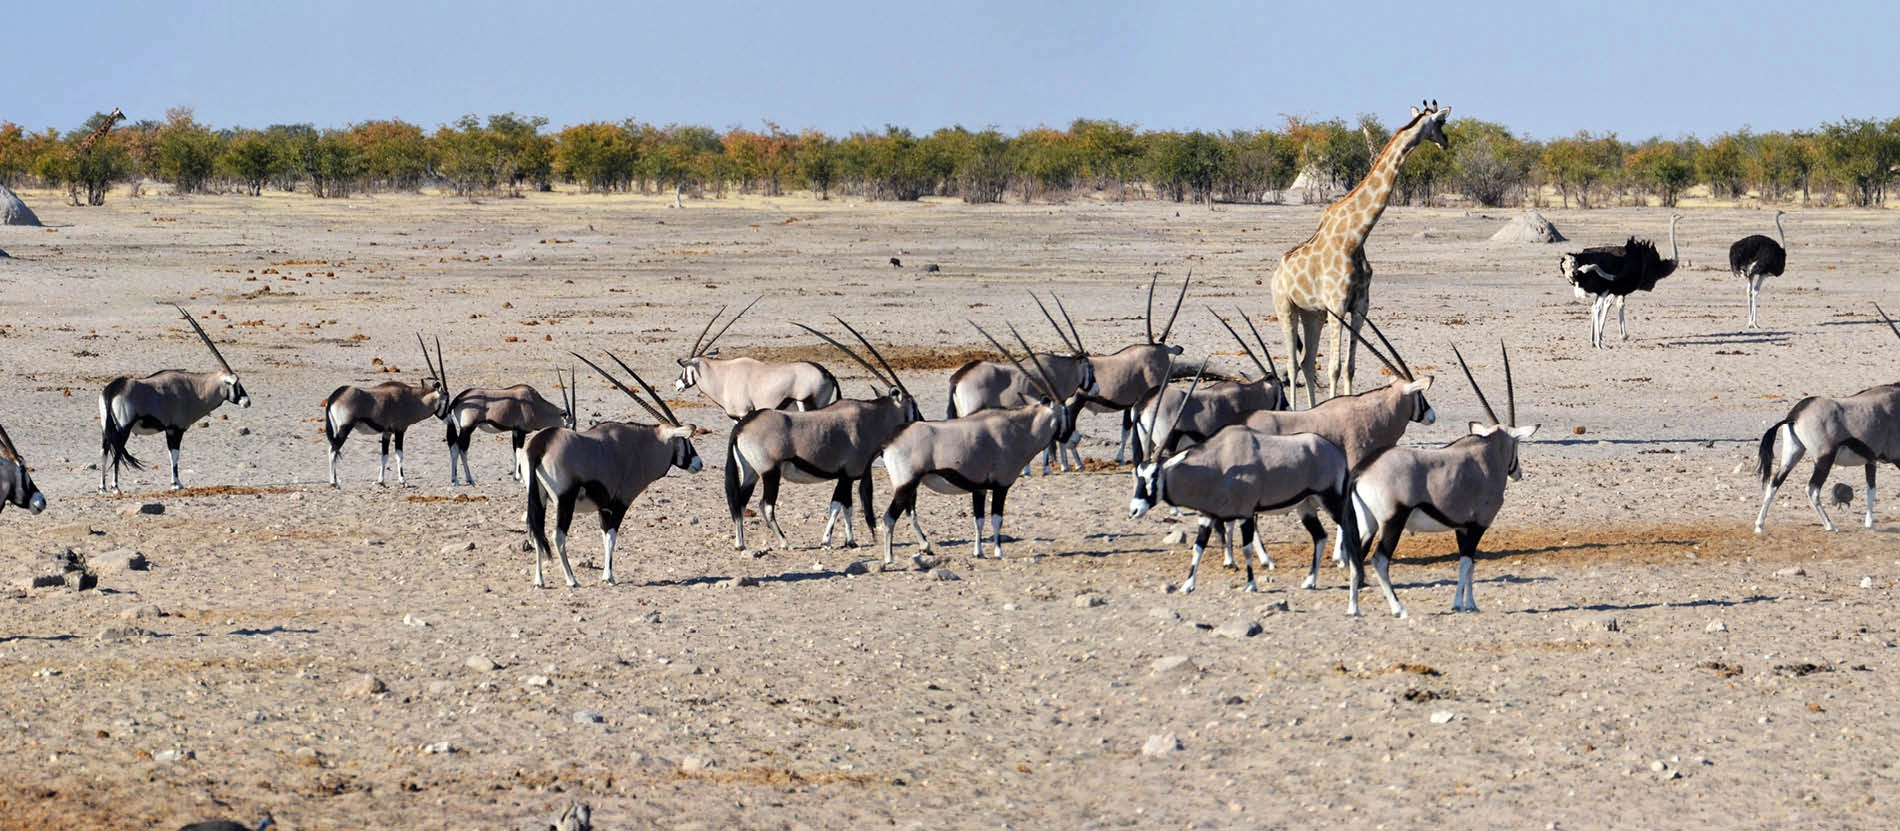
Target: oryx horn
1265, 353
670, 418
434, 370
622, 387
204, 337
1493, 414
699, 350
1169, 327
1396, 369
1883, 316
1510, 391
1264, 371
1074, 346
1041, 383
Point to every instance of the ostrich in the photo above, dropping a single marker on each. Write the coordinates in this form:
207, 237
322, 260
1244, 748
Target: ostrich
1755, 258
1610, 273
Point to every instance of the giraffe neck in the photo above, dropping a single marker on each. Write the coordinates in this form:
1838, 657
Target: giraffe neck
1359, 210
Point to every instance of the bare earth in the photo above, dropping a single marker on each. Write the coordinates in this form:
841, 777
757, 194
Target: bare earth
1729, 689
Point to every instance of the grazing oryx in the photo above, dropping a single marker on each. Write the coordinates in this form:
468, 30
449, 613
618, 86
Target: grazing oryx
1175, 418
984, 451
1861, 429
168, 401
1458, 487
387, 409
991, 385
1362, 424
1123, 378
604, 467
836, 442
16, 482
742, 385
517, 410
1239, 473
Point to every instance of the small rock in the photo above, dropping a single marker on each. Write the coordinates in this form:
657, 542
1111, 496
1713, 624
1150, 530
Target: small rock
441, 687
1276, 607
1866, 582
122, 633
944, 575
306, 757
412, 620
366, 684
858, 567
1175, 537
1791, 571
1239, 629
1716, 626
1172, 663
694, 764
1442, 717
456, 547
173, 754
142, 611
1164, 614
480, 664
1161, 745
151, 508
588, 716
1088, 600
925, 562
1658, 766
738, 582
119, 559
439, 747
1012, 607
1593, 623
536, 681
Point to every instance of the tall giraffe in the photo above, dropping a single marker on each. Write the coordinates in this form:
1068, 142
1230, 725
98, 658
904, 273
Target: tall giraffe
1329, 272
85, 149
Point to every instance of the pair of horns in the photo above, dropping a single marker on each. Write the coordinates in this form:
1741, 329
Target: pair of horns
1510, 393
1264, 360
1041, 378
889, 376
1171, 315
1155, 418
1396, 363
699, 350
663, 414
570, 395
1075, 346
206, 338
435, 366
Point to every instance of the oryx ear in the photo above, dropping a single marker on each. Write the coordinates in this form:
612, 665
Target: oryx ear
681, 361
1522, 433
1479, 428
1414, 112
1174, 349
710, 353
1443, 113
1419, 385
684, 431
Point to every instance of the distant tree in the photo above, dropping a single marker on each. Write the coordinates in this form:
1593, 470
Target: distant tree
465, 156
1663, 167
250, 158
15, 161
598, 156
186, 153
1488, 163
683, 156
1186, 165
984, 165
523, 156
1721, 164
1109, 151
816, 161
395, 154
1579, 164
1859, 154
329, 161
93, 171
1050, 159
1256, 165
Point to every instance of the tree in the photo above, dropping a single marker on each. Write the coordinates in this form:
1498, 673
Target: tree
816, 162
1664, 167
522, 154
186, 153
682, 156
1721, 165
1108, 151
94, 170
1186, 164
330, 161
1488, 163
1048, 158
251, 158
1580, 163
983, 164
395, 154
1859, 154
1257, 165
598, 156
465, 156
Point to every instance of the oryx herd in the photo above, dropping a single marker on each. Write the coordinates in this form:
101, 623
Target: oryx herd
1227, 450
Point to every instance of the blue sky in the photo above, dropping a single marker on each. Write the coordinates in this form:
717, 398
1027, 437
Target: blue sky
1545, 69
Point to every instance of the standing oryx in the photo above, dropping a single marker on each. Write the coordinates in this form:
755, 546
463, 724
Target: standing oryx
987, 385
1861, 429
16, 482
1174, 417
984, 451
517, 410
741, 385
1361, 424
1237, 474
1458, 487
168, 401
604, 468
387, 409
836, 442
1123, 378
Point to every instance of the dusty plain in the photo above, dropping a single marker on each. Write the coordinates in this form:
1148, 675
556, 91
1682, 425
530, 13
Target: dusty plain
1642, 658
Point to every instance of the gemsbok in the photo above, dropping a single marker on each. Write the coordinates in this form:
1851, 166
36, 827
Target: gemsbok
1124, 377
603, 468
387, 409
517, 411
169, 401
984, 452
1184, 420
990, 385
837, 442
1861, 429
16, 481
741, 385
1458, 487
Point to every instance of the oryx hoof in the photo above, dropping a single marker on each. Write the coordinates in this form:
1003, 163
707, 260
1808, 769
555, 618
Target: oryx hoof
607, 579
1250, 589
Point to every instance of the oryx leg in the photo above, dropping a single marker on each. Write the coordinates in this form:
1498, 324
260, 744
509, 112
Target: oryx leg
1464, 600
976, 512
1823, 464
1200, 547
521, 456
1791, 452
768, 504
864, 496
1386, 536
173, 437
996, 517
1128, 428
903, 499
563, 517
1260, 546
610, 518
1073, 448
1868, 522
382, 470
537, 521
1309, 519
740, 477
840, 506
401, 477
1247, 538
1226, 544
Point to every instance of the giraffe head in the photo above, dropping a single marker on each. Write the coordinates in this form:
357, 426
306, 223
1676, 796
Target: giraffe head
1430, 123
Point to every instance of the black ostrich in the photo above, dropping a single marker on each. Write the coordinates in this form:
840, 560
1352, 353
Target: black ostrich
1755, 258
1610, 273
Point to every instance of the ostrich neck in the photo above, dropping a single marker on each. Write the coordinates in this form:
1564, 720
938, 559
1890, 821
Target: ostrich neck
1672, 238
1780, 233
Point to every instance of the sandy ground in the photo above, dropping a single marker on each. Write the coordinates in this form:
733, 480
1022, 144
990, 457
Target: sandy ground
1642, 658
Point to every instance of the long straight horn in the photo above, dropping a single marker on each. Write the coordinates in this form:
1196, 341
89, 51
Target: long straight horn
1156, 415
433, 372
702, 332
1048, 379
1052, 322
621, 387
1149, 322
722, 330
1883, 316
1264, 371
1071, 321
441, 367
847, 351
206, 338
574, 395
670, 417
1493, 414
1033, 380
1177, 305
895, 381
1510, 392
1404, 368
1369, 347
1265, 353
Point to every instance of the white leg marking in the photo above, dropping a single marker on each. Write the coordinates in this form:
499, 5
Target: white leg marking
607, 540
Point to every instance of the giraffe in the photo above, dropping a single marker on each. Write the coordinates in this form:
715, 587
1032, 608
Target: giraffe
85, 149
1329, 271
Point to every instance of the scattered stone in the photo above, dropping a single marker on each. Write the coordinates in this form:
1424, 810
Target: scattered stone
1593, 623
695, 764
142, 611
366, 685
481, 664
738, 582
1239, 629
60, 566
1175, 537
1164, 613
1089, 600
122, 633
1716, 626
944, 575
1791, 571
1012, 607
925, 562
173, 754
1866, 582
1161, 745
118, 560
1276, 607
588, 716
1172, 663
1442, 717
439, 747
858, 567
307, 757
46, 672
412, 620
536, 681
441, 687
456, 547
146, 508
652, 616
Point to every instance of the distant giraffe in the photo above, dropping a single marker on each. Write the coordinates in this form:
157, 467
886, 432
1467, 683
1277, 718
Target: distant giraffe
1329, 272
85, 148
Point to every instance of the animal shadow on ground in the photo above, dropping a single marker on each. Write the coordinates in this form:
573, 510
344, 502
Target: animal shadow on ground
1630, 607
274, 630
12, 638
1758, 338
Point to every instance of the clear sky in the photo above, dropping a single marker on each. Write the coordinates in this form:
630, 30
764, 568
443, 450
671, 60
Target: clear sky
1543, 68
